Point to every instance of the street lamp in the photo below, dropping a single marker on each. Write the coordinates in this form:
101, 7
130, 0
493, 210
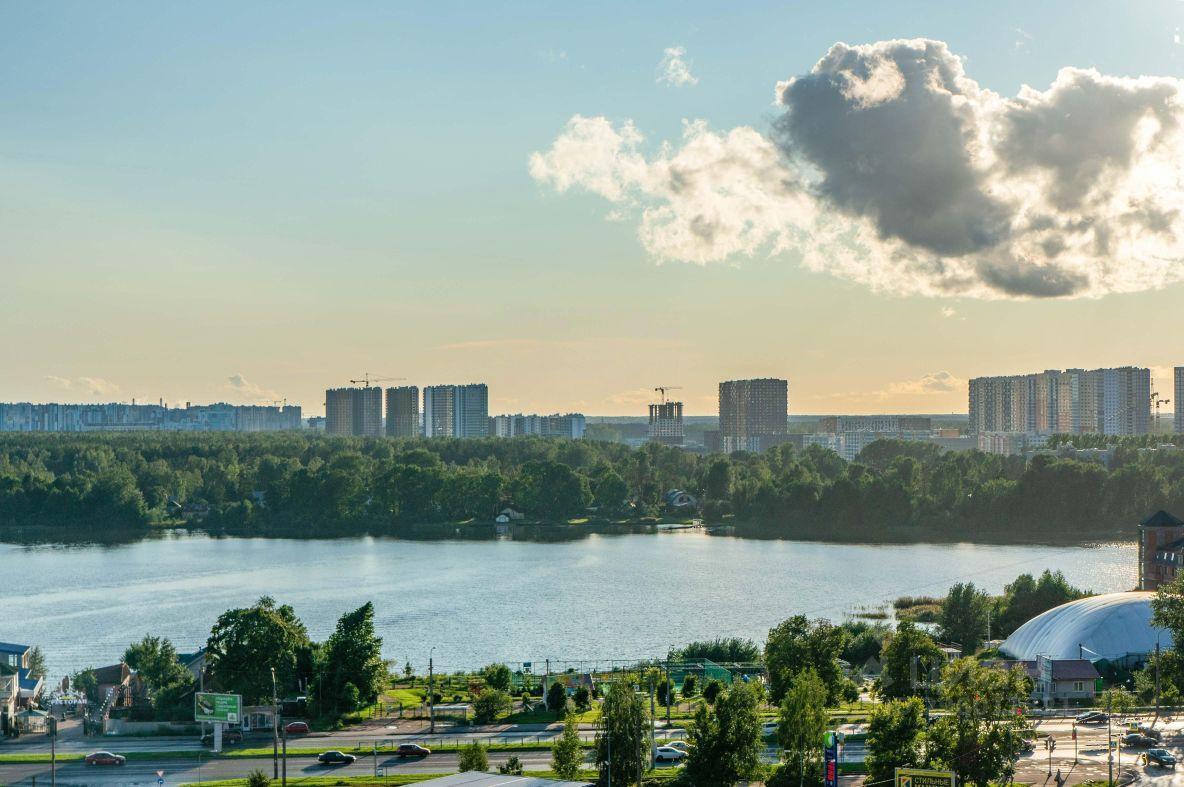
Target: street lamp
432, 689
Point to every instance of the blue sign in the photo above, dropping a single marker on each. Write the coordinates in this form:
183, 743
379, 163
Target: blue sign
830, 764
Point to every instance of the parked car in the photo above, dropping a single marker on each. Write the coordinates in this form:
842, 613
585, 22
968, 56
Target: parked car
335, 758
1137, 740
1161, 757
412, 750
105, 758
1027, 745
680, 745
1146, 729
769, 728
668, 754
1092, 717
228, 736
296, 728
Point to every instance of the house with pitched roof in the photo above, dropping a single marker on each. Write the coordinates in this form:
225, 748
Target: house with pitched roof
14, 660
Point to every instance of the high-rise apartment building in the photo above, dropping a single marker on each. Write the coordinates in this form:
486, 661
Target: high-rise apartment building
666, 424
569, 426
354, 411
456, 410
402, 411
1073, 401
753, 414
1178, 401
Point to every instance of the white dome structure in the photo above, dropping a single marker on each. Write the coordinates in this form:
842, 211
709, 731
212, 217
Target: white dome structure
1114, 626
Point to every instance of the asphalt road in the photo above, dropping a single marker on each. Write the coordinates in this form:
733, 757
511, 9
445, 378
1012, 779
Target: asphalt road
140, 772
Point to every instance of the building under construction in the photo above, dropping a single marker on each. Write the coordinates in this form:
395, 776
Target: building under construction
666, 424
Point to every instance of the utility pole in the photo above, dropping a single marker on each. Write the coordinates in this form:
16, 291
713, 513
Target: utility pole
53, 752
284, 772
275, 729
1109, 744
608, 735
653, 724
432, 690
668, 689
1156, 681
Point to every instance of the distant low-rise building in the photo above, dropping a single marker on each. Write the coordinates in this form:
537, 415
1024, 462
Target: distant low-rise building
570, 425
116, 417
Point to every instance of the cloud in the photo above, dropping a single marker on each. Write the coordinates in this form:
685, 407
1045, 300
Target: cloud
948, 311
251, 390
94, 386
891, 167
674, 69
934, 383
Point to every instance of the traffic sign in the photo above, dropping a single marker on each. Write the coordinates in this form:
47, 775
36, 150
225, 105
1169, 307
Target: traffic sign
160, 774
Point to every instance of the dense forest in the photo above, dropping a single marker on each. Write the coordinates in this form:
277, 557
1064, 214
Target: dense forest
297, 484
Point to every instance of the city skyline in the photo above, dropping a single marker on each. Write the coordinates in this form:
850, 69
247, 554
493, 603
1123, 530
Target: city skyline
200, 210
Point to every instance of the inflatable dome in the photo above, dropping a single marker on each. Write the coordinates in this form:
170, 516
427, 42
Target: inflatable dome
1114, 626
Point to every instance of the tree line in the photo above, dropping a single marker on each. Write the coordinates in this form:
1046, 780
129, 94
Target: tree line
299, 484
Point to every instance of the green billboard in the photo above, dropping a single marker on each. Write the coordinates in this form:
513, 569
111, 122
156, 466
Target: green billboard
224, 708
916, 777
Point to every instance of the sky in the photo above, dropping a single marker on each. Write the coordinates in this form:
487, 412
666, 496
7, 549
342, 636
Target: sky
576, 203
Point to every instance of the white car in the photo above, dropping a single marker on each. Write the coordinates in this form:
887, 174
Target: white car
769, 728
668, 754
680, 745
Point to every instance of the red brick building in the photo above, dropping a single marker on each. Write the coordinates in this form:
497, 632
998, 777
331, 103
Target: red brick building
1161, 549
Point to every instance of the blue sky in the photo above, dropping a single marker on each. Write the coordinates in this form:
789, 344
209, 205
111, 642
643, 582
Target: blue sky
302, 192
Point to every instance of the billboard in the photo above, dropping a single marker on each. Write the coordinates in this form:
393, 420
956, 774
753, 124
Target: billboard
915, 777
830, 759
224, 708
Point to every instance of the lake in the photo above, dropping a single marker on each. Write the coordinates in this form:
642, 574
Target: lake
598, 598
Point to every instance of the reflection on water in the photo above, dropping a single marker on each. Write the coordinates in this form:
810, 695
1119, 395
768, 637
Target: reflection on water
475, 601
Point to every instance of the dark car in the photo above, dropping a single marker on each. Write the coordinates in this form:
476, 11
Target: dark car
1137, 740
105, 758
1161, 757
1092, 717
412, 750
228, 736
1027, 745
335, 758
296, 727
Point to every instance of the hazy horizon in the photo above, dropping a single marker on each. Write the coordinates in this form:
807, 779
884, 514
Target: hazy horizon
229, 202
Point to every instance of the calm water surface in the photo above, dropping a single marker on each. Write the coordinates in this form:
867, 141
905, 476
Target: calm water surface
602, 597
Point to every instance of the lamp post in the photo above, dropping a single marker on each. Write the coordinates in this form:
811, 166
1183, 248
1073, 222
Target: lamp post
432, 690
275, 729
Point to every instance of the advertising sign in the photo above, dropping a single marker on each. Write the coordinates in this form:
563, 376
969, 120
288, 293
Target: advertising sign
224, 708
830, 763
915, 777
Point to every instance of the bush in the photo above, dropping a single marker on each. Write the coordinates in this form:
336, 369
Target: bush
491, 704
258, 779
712, 690
689, 687
511, 767
582, 698
473, 758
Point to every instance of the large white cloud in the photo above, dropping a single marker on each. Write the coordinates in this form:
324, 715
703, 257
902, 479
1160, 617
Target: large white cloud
891, 167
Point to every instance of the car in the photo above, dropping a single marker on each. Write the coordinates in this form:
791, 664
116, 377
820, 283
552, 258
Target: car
1027, 745
769, 728
105, 758
1145, 729
668, 754
680, 745
1161, 757
228, 736
335, 758
1092, 717
1137, 740
296, 728
412, 750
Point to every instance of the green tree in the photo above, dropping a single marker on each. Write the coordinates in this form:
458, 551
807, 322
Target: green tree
245, 644
711, 691
797, 644
551, 490
725, 739
511, 767
801, 722
894, 737
718, 483
87, 683
624, 729
352, 656
690, 687
473, 757
567, 755
611, 491
556, 697
720, 650
908, 657
169, 684
497, 676
582, 698
491, 704
964, 616
981, 737
36, 662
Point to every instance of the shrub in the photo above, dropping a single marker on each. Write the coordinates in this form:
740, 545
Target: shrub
473, 758
511, 767
258, 779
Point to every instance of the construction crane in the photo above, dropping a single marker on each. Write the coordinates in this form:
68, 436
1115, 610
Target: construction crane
1157, 400
367, 379
662, 389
